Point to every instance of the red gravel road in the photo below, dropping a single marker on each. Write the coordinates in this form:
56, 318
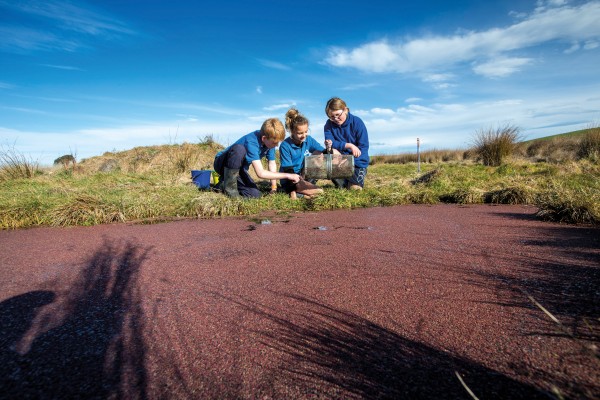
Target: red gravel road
378, 303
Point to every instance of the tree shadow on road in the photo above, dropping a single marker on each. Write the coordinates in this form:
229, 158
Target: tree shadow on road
331, 353
83, 342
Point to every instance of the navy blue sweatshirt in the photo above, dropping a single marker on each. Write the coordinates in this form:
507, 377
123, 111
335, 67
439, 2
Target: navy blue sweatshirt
354, 131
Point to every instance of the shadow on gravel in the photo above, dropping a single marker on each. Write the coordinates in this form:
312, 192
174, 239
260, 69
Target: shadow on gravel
84, 342
327, 352
563, 279
567, 289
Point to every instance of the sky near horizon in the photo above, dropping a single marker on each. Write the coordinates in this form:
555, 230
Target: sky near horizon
86, 77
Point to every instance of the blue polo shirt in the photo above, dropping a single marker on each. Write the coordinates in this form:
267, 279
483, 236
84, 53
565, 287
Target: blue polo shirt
255, 148
292, 155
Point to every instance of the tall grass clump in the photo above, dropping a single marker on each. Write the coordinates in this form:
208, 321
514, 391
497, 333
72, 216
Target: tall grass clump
492, 146
589, 147
14, 165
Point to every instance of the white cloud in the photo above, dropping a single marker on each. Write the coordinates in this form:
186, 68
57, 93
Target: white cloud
4, 85
591, 44
16, 39
382, 111
259, 89
273, 64
275, 107
70, 26
574, 47
554, 21
437, 77
359, 86
95, 141
68, 16
63, 67
501, 67
413, 100
452, 125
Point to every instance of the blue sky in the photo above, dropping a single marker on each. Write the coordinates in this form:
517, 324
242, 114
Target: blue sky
86, 77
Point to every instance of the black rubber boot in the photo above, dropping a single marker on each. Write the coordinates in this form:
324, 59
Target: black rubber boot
229, 185
339, 183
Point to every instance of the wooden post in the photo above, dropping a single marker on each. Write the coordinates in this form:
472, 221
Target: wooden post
418, 156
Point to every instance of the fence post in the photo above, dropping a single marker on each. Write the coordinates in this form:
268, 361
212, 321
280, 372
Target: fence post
418, 156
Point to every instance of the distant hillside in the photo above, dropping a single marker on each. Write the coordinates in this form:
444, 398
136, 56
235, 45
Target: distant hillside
573, 134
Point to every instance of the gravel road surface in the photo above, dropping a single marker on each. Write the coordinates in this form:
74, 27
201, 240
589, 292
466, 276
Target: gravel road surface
404, 302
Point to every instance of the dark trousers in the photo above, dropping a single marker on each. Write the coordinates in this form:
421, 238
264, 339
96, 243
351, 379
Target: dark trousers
358, 178
233, 159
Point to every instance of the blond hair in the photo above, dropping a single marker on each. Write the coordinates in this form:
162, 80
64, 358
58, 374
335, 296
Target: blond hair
334, 104
273, 129
294, 118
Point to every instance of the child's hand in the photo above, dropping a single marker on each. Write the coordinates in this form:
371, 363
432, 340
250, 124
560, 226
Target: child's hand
355, 150
295, 178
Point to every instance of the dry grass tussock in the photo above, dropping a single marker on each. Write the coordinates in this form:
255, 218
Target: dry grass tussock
86, 210
14, 165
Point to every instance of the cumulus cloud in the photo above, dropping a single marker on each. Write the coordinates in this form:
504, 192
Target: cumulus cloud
452, 125
551, 21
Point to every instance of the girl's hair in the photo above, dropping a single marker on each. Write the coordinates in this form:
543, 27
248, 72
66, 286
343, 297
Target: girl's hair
273, 129
293, 118
334, 104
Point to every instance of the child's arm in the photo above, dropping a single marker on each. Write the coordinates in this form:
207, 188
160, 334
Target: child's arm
273, 168
262, 174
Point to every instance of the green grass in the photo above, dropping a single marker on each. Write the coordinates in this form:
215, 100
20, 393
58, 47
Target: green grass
152, 184
567, 193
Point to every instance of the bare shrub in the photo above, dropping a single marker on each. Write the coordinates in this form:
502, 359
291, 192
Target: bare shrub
208, 140
535, 148
492, 146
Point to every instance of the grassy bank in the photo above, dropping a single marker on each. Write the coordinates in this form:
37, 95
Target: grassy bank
147, 185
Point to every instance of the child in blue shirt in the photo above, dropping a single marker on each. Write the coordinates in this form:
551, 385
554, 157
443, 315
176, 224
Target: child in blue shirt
348, 134
292, 152
232, 164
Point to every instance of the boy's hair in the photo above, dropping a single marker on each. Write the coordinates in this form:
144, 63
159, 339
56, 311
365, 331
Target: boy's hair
334, 104
273, 129
294, 118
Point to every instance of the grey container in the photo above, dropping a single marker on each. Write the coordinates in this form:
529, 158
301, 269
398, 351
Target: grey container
329, 166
